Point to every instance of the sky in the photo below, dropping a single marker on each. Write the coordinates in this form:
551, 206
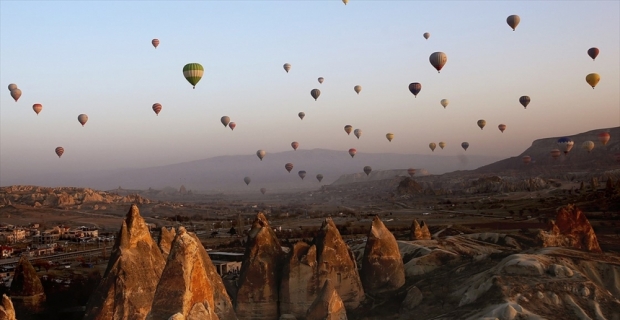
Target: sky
96, 58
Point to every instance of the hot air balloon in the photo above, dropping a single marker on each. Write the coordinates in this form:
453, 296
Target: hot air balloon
59, 151
247, 180
345, 2
155, 43
426, 35
16, 93
465, 145
193, 73
288, 167
321, 79
82, 119
261, 154
604, 137
556, 153
263, 190
524, 100
301, 115
357, 133
565, 144
411, 172
502, 127
357, 88
593, 53
348, 128
592, 79
481, 123
37, 107
352, 152
513, 21
588, 146
367, 170
442, 144
12, 87
444, 102
302, 174
389, 136
225, 121
527, 159
315, 93
232, 125
319, 177
438, 60
432, 145
295, 145
157, 108
287, 67
415, 88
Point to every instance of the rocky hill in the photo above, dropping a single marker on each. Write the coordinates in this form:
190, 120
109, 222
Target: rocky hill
376, 176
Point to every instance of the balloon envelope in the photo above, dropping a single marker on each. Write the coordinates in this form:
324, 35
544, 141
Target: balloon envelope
157, 108
37, 107
287, 67
438, 60
513, 21
155, 43
348, 128
302, 174
593, 53
59, 151
426, 35
415, 88
604, 137
12, 87
232, 125
82, 119
193, 73
345, 2
288, 167
261, 154
432, 145
16, 93
357, 89
389, 136
319, 177
295, 145
367, 170
445, 102
481, 124
465, 145
565, 144
321, 79
315, 93
442, 144
263, 190
225, 120
501, 127
588, 146
592, 79
352, 152
524, 100
247, 180
301, 115
357, 133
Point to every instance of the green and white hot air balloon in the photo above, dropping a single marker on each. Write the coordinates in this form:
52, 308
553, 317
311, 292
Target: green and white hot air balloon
193, 73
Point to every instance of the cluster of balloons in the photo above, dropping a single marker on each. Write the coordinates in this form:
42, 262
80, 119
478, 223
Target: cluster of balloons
565, 145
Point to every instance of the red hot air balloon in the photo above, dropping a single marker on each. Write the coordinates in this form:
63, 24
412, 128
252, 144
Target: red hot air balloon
352, 152
288, 167
232, 125
59, 151
155, 43
604, 137
37, 107
502, 127
415, 88
593, 53
295, 145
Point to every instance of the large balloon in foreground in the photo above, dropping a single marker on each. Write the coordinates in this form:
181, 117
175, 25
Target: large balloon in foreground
155, 43
319, 177
193, 73
432, 145
301, 115
348, 128
592, 79
524, 100
565, 144
247, 180
411, 172
352, 152
82, 119
302, 174
261, 154
482, 123
502, 127
321, 79
357, 133
315, 93
556, 153
59, 151
593, 53
263, 190
12, 87
287, 67
527, 159
389, 136
37, 107
295, 145
442, 145
438, 60
288, 167
16, 93
588, 146
604, 137
225, 121
232, 125
367, 170
513, 21
357, 89
157, 108
415, 88
445, 102
465, 145
426, 35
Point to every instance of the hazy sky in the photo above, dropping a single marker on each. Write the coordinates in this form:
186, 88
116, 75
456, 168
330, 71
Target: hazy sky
96, 58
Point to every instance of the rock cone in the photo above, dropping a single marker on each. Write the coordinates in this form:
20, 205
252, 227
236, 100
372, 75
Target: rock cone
382, 266
165, 241
419, 230
571, 229
26, 289
328, 305
6, 309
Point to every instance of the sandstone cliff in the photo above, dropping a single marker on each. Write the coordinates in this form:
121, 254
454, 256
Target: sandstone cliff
26, 289
419, 230
382, 265
165, 241
128, 285
570, 229
6, 309
257, 295
328, 305
63, 196
189, 287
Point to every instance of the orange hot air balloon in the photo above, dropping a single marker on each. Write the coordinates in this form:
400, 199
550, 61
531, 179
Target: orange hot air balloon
295, 145
37, 107
157, 108
288, 167
604, 137
527, 159
352, 152
556, 153
502, 127
232, 125
59, 151
348, 128
411, 172
155, 43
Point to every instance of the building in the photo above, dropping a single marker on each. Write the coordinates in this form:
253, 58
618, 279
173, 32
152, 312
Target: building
12, 236
226, 262
46, 237
6, 252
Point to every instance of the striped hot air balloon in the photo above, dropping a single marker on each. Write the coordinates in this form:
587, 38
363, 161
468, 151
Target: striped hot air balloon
287, 67
155, 43
438, 60
295, 145
157, 108
321, 79
59, 151
352, 152
357, 133
315, 93
415, 88
348, 128
37, 107
288, 167
565, 144
193, 73
442, 145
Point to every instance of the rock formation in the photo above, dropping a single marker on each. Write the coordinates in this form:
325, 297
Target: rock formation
128, 285
409, 186
419, 231
308, 266
62, 197
6, 309
382, 265
165, 241
570, 229
189, 287
257, 294
327, 305
26, 289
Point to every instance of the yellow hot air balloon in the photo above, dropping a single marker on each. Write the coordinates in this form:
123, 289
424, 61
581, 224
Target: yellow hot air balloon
345, 2
442, 144
389, 136
481, 123
357, 88
588, 146
592, 79
445, 102
432, 145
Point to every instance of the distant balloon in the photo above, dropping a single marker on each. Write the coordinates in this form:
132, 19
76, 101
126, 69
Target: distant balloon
315, 93
588, 146
295, 145
157, 108
59, 151
12, 87
352, 152
445, 102
348, 128
225, 121
193, 73
302, 174
321, 79
37, 107
426, 35
593, 53
524, 100
411, 172
432, 145
287, 67
357, 89
357, 133
415, 88
482, 123
247, 180
565, 144
232, 125
301, 115
155, 43
438, 60
82, 119
465, 145
367, 170
604, 137
442, 144
261, 154
16, 93
592, 79
556, 153
319, 177
288, 167
389, 136
263, 190
527, 159
513, 21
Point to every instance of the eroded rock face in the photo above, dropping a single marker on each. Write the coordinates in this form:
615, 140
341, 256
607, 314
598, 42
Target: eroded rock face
7, 312
259, 279
382, 265
328, 305
165, 241
135, 267
26, 289
419, 230
189, 287
63, 197
570, 229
